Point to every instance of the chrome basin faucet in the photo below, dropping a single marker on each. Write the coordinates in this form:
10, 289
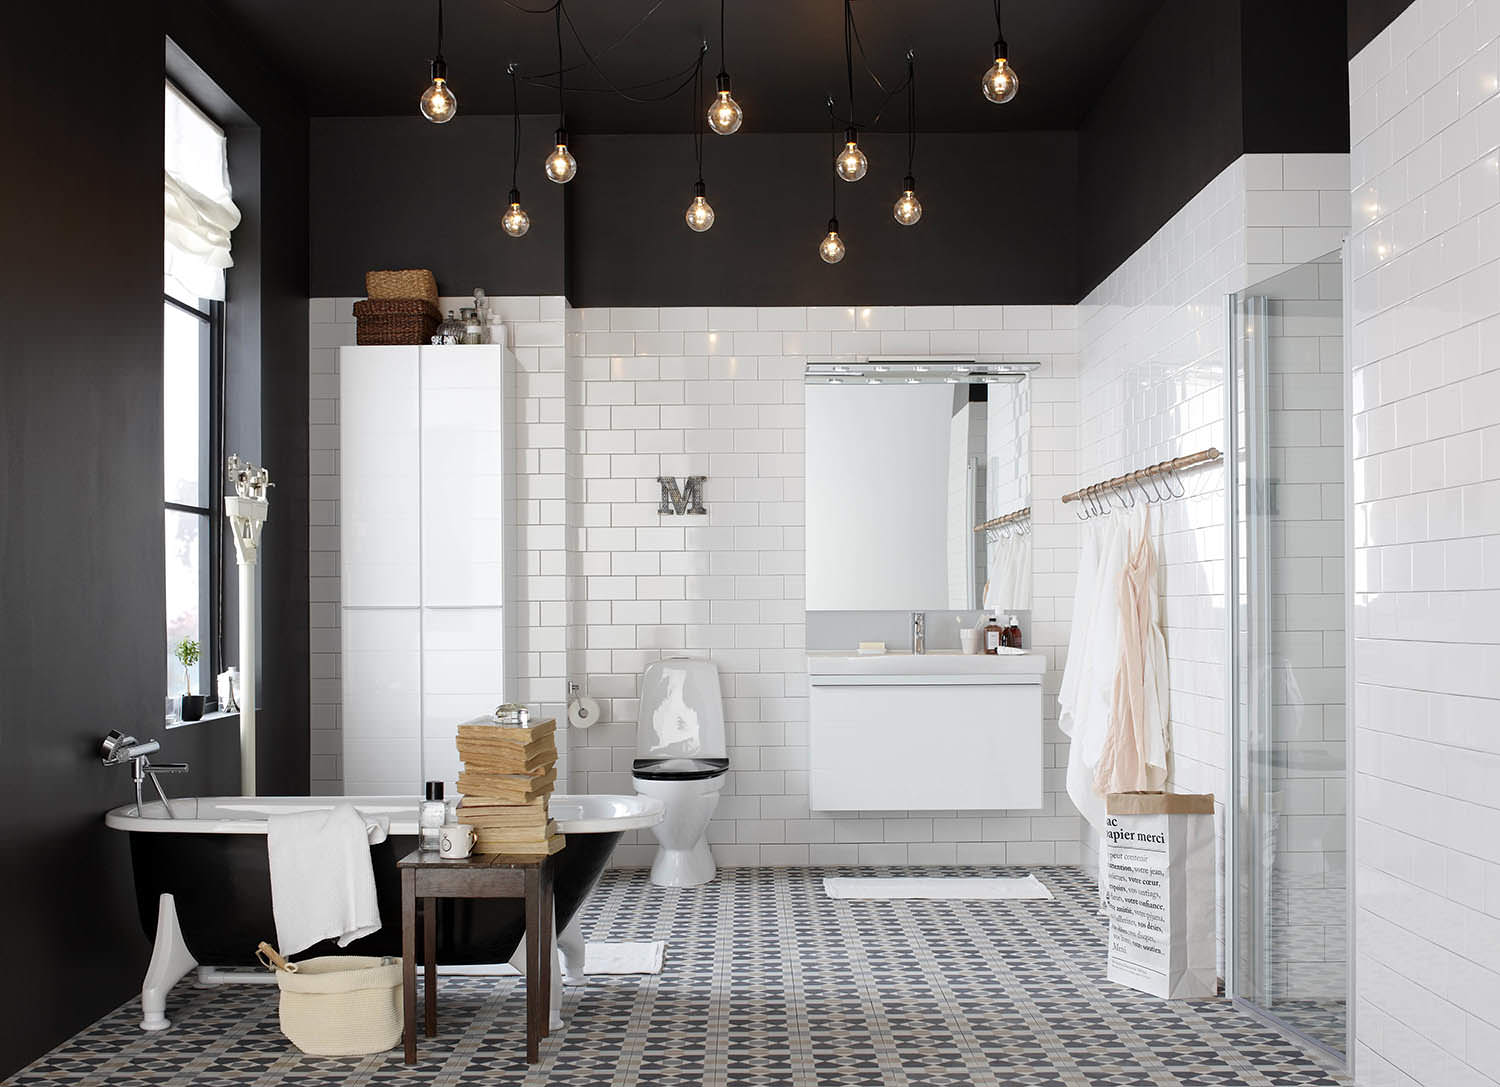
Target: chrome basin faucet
919, 632
118, 749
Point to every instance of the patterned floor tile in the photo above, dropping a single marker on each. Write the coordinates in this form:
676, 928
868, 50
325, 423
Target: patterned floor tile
767, 983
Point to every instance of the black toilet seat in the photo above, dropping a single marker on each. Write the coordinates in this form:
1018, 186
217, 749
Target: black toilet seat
679, 769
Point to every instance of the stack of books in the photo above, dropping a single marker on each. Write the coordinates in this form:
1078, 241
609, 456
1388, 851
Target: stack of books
507, 776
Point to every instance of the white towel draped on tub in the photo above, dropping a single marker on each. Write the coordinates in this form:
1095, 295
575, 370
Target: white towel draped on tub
322, 882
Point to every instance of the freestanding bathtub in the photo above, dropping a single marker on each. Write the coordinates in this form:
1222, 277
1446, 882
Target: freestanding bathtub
207, 866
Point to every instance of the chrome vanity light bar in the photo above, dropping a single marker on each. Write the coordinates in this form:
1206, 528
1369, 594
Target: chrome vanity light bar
878, 371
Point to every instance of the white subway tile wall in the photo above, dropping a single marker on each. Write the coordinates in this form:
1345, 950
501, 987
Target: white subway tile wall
606, 584
1425, 257
719, 392
1151, 387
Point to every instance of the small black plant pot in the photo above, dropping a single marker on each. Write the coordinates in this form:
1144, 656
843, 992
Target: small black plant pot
191, 708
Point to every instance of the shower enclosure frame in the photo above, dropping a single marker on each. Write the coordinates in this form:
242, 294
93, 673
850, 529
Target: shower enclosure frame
1238, 496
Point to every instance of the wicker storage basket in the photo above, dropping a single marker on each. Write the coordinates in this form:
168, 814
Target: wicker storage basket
390, 321
340, 1005
406, 283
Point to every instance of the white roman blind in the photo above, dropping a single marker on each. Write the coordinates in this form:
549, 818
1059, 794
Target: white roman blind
199, 205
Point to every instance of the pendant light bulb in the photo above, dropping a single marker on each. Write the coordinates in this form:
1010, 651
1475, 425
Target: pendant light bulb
438, 103
831, 248
1000, 83
700, 213
908, 208
515, 221
724, 114
851, 164
561, 165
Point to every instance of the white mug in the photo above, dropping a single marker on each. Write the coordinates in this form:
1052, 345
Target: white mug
458, 841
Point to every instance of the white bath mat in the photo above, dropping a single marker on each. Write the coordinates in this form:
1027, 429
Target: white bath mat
936, 887
602, 957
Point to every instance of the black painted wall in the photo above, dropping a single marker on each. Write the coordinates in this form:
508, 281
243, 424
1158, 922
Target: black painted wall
81, 580
1367, 18
997, 222
400, 192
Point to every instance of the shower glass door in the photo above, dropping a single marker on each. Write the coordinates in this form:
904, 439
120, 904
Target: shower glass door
1287, 930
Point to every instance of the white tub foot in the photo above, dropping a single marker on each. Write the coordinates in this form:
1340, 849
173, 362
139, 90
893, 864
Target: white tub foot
571, 948
518, 961
170, 960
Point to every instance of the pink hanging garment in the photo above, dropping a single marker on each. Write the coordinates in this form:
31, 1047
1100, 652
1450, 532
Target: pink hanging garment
1135, 748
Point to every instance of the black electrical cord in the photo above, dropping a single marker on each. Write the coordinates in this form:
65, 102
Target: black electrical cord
594, 63
698, 128
515, 111
723, 53
911, 111
557, 25
440, 32
849, 57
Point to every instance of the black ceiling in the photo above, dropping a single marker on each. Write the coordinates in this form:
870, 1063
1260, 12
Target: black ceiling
352, 57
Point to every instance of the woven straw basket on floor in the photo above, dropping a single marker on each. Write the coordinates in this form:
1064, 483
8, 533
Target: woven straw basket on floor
339, 1005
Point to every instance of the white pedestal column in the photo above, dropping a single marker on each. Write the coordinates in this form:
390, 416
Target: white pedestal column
246, 518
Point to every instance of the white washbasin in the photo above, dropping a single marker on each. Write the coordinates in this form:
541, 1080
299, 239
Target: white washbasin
1008, 662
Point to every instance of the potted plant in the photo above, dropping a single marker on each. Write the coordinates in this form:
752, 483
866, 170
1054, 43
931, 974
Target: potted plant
188, 653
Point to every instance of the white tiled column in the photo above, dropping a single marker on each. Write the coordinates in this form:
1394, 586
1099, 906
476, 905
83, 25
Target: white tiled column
1425, 258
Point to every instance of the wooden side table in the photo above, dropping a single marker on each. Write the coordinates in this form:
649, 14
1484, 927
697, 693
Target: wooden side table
493, 875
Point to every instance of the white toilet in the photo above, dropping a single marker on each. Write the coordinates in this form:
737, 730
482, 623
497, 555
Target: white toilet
681, 759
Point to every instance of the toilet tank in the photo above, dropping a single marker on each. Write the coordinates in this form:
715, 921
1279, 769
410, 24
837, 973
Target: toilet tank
682, 710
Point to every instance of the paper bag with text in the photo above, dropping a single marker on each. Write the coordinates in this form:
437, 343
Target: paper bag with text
1159, 854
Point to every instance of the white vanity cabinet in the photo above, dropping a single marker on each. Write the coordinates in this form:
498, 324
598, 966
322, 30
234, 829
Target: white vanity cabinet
936, 732
425, 494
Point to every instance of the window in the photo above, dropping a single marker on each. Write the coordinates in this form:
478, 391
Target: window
192, 458
200, 216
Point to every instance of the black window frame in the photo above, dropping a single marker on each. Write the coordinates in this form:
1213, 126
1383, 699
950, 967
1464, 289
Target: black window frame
211, 640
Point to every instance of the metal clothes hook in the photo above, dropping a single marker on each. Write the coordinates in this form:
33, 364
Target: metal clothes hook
1171, 478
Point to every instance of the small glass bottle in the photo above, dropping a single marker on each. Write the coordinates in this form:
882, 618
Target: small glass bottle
994, 635
431, 816
1012, 632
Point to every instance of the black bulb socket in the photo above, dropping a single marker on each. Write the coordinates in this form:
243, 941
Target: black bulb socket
1001, 51
833, 226
910, 183
560, 137
721, 83
850, 136
699, 189
514, 197
439, 68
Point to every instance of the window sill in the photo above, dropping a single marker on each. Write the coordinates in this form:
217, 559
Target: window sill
207, 718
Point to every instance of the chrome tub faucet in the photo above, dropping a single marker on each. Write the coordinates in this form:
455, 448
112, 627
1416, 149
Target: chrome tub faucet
919, 632
118, 749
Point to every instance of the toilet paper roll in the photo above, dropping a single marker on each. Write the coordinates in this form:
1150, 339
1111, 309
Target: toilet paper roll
583, 711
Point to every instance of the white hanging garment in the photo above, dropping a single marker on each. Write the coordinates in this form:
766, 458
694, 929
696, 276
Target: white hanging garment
1023, 572
1099, 656
1084, 598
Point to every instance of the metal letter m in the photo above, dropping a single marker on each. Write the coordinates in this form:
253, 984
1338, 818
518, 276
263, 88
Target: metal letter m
687, 500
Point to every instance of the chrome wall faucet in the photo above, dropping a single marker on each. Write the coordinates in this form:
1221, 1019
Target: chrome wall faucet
118, 749
919, 632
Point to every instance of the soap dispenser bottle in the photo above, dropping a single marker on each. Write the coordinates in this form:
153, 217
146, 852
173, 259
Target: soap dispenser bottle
1012, 632
431, 816
994, 635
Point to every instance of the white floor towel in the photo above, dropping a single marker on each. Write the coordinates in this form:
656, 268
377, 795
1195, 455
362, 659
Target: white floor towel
601, 957
963, 888
322, 883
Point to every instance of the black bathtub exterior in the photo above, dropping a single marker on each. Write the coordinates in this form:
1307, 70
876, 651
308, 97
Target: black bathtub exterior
222, 887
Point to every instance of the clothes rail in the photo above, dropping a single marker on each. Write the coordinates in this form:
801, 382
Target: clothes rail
1165, 468
1009, 518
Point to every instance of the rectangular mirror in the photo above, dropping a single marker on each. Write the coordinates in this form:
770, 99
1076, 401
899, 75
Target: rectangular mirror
906, 462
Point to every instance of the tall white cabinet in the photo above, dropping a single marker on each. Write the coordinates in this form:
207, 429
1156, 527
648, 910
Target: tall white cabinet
426, 494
